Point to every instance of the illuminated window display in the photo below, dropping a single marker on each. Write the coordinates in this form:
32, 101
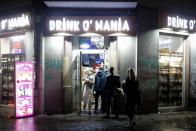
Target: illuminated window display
12, 50
170, 70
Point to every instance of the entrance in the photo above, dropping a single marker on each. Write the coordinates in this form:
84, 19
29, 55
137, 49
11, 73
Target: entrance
69, 59
90, 55
171, 66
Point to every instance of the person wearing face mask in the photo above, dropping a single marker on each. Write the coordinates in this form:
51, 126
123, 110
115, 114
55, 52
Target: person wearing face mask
88, 97
130, 87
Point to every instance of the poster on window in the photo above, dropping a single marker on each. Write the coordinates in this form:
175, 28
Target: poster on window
17, 46
24, 85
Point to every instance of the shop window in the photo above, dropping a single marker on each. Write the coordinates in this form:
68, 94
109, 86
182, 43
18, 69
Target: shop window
91, 42
12, 50
170, 70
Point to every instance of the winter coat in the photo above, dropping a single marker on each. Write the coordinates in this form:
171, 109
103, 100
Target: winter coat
100, 81
131, 90
112, 82
133, 95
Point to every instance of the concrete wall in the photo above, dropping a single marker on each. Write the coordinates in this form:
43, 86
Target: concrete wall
192, 97
147, 59
53, 74
29, 46
0, 74
126, 53
147, 69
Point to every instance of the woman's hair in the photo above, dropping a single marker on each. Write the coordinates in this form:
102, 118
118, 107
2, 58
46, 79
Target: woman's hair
131, 74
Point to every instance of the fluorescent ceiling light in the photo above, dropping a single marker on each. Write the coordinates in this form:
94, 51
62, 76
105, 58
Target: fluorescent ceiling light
85, 4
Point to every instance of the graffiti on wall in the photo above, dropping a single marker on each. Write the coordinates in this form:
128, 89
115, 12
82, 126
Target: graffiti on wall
147, 82
149, 62
53, 63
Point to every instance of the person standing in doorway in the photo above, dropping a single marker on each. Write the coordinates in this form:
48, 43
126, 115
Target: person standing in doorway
112, 83
99, 88
89, 83
130, 87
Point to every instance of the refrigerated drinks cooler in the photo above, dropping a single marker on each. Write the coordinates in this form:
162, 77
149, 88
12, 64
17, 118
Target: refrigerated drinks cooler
8, 63
17, 84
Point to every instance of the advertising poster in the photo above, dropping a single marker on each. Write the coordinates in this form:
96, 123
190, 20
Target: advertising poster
24, 85
16, 47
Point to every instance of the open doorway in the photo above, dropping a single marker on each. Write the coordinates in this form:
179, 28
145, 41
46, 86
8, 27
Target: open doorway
90, 55
85, 57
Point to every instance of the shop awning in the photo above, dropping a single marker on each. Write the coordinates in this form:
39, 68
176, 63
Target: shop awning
87, 4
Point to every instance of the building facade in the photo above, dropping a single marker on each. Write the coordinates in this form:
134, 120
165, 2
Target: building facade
67, 41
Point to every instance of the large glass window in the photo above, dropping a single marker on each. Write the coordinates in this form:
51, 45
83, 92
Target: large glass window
170, 70
12, 50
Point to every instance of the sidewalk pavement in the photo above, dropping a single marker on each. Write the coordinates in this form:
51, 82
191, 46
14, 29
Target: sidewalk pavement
171, 121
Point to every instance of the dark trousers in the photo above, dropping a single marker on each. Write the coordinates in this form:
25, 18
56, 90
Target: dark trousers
97, 94
112, 102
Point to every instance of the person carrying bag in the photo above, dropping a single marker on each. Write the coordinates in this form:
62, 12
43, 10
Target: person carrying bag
130, 87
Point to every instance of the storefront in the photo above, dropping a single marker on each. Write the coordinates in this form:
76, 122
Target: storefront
16, 45
176, 52
73, 46
166, 65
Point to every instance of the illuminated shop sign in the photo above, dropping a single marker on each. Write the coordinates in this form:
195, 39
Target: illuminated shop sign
15, 22
181, 23
176, 22
24, 85
81, 25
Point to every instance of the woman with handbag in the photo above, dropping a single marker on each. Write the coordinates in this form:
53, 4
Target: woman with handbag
130, 87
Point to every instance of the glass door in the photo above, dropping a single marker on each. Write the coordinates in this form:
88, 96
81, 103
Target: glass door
170, 74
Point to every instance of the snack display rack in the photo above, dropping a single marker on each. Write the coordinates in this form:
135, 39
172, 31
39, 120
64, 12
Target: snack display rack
170, 78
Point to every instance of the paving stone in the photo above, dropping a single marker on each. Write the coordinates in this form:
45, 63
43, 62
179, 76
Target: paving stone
173, 121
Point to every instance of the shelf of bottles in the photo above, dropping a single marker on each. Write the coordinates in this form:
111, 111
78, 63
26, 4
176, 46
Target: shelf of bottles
170, 78
8, 63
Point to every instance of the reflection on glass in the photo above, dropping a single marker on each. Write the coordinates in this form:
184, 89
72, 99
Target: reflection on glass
170, 70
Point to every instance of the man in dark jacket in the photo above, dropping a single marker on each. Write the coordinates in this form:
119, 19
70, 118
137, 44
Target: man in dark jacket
112, 83
99, 88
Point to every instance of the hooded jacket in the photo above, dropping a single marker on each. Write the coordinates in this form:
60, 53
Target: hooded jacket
100, 81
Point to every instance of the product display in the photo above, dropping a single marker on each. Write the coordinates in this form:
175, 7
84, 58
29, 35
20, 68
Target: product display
8, 63
170, 78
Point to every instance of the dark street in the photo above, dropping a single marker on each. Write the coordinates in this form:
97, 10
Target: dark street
175, 121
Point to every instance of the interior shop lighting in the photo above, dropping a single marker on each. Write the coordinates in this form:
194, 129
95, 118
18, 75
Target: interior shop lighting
167, 29
118, 34
63, 34
170, 31
85, 46
18, 37
90, 34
